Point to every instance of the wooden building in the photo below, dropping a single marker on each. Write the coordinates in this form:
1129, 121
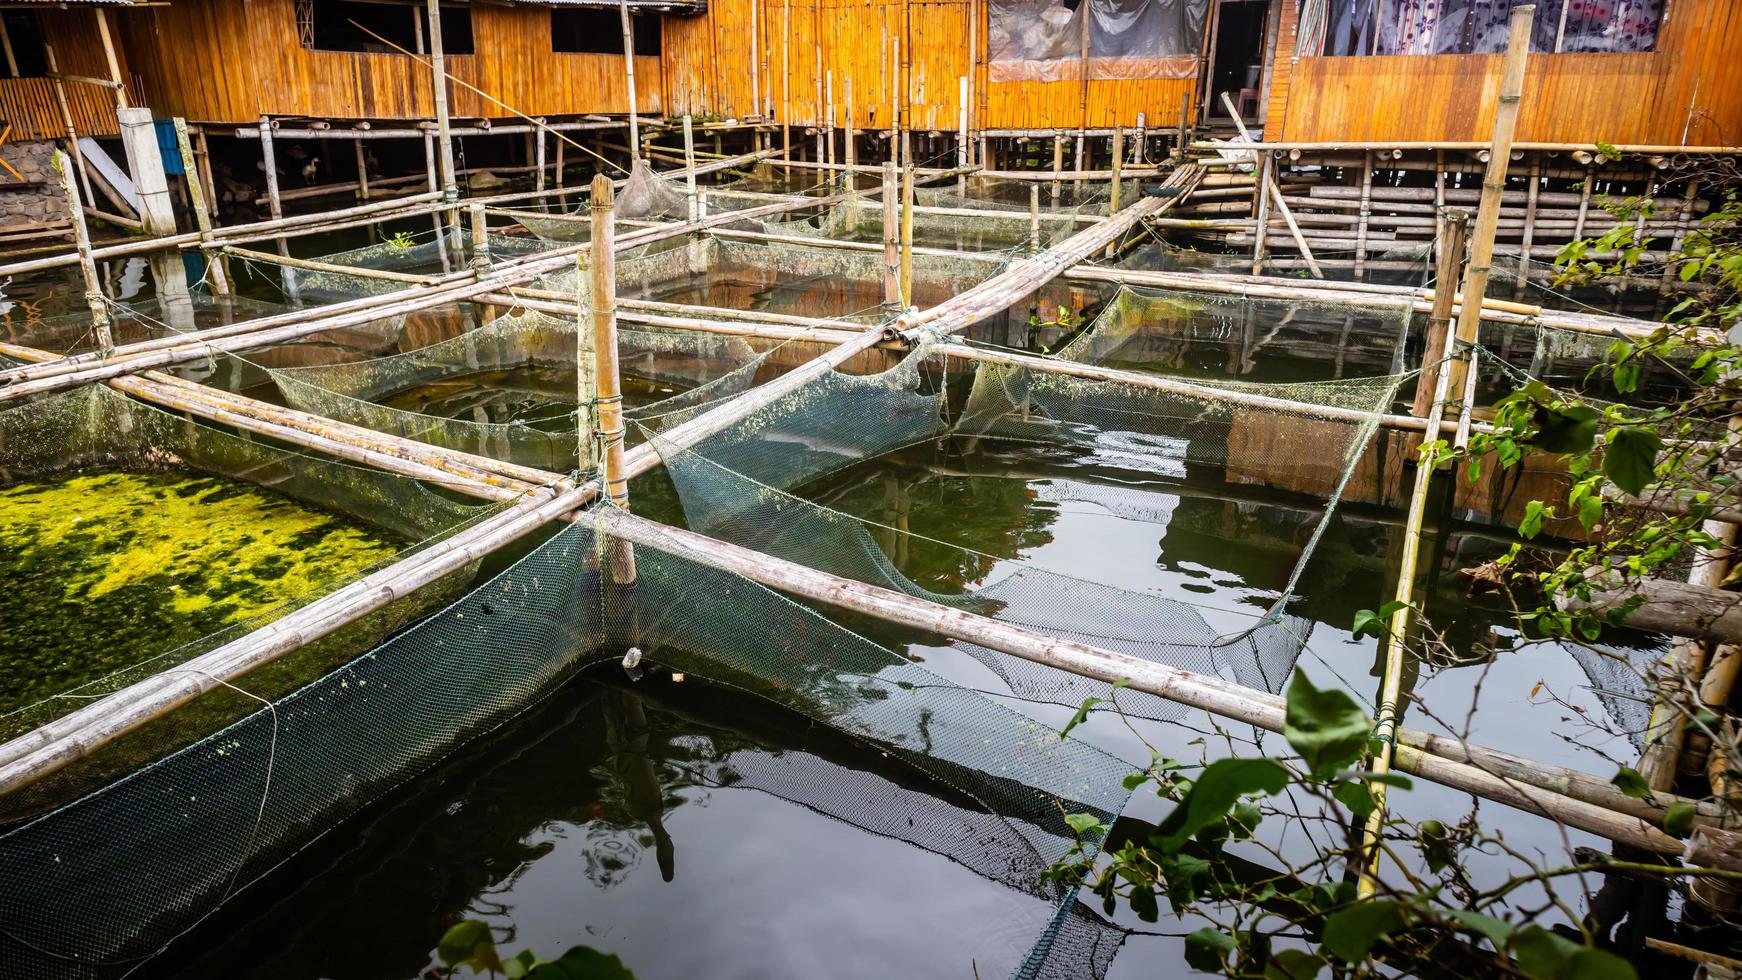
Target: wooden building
70, 35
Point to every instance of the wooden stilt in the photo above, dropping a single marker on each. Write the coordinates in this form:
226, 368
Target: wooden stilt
1453, 227
1366, 215
1113, 188
66, 116
689, 167
1033, 218
608, 426
480, 239
629, 76
1530, 194
94, 300
275, 206
196, 194
828, 111
1058, 164
785, 79
907, 238
109, 56
1261, 212
443, 246
538, 157
852, 134
891, 236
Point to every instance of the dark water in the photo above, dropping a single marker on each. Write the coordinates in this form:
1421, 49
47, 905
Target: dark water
611, 816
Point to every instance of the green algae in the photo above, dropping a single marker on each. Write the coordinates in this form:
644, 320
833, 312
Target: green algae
105, 570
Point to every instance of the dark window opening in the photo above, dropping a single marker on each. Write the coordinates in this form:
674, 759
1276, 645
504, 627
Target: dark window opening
600, 31
1478, 26
26, 52
376, 26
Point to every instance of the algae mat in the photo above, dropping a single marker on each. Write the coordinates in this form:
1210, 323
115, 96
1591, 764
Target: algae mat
105, 570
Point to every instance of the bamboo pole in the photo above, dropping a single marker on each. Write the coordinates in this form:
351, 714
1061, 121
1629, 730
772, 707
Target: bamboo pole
1113, 189
608, 428
1365, 214
1033, 218
196, 194
444, 125
892, 291
109, 56
1453, 225
480, 240
1261, 212
629, 74
94, 299
269, 160
538, 157
1493, 184
907, 238
785, 79
852, 146
1529, 239
66, 118
1174, 684
1058, 164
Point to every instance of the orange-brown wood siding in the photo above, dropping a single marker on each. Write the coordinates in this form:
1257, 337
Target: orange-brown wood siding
708, 68
235, 60
1686, 92
30, 105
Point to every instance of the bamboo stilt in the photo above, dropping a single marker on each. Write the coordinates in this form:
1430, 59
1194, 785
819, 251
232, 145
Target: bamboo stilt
1453, 225
269, 160
1113, 188
629, 76
891, 236
196, 194
1366, 215
1058, 164
907, 239
94, 299
1261, 212
1531, 192
1033, 218
1475, 287
689, 166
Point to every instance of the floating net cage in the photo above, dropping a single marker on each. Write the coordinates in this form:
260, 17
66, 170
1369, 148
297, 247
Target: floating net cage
95, 429
508, 389
217, 815
746, 485
130, 322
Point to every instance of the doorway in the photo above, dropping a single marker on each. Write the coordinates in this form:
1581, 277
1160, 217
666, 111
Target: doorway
1238, 39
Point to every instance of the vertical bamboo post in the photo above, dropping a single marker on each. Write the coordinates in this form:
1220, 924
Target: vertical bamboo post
66, 119
785, 79
1081, 165
202, 218
1683, 213
204, 152
362, 171
972, 77
891, 236
829, 110
275, 205
1138, 150
429, 165
1033, 218
1529, 237
1261, 212
1118, 162
561, 165
1366, 213
1493, 183
608, 399
852, 148
906, 62
87, 265
757, 67
1185, 112
1584, 200
1058, 164
962, 143
907, 238
480, 239
689, 165
629, 76
538, 154
1453, 226
444, 125
109, 55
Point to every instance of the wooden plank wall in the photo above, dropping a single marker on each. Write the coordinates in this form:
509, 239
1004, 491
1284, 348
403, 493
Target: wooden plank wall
235, 60
30, 105
1686, 92
708, 68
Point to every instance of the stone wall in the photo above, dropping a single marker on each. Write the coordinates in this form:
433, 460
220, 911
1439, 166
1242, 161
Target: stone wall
39, 199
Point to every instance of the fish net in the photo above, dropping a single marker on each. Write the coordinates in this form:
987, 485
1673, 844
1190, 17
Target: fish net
508, 389
81, 900
746, 485
95, 429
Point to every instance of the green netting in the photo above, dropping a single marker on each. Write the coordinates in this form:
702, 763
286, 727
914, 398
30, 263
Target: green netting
395, 255
131, 322
94, 428
506, 418
96, 888
1302, 437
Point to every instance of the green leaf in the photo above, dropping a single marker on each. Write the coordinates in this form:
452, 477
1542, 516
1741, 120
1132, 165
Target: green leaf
1530, 525
1350, 933
1631, 783
1078, 718
1372, 623
469, 943
1566, 430
1357, 797
1436, 846
1247, 817
1544, 955
1293, 964
520, 965
1590, 511
1496, 931
1679, 818
1208, 949
1325, 727
1082, 823
581, 963
1221, 784
1630, 457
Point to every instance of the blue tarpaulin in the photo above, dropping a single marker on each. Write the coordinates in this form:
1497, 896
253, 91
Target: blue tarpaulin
166, 144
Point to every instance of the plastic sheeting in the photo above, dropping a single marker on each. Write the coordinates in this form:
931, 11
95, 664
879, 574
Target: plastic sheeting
1045, 40
1360, 27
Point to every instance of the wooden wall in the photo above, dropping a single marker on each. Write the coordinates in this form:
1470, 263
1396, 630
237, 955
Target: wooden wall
710, 71
235, 60
1686, 92
30, 105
